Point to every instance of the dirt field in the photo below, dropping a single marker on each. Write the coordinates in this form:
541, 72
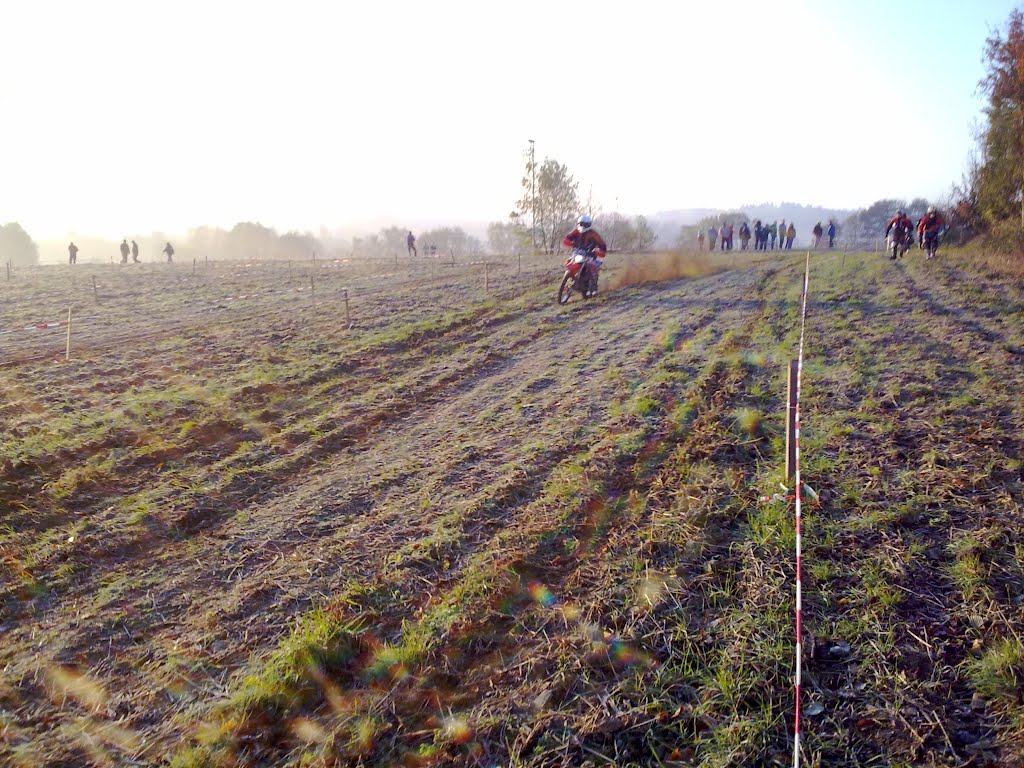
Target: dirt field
477, 528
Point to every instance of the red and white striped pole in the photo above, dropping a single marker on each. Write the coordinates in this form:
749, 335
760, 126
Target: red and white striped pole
799, 504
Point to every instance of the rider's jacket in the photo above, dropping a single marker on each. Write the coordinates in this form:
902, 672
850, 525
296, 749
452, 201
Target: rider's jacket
900, 222
930, 224
589, 241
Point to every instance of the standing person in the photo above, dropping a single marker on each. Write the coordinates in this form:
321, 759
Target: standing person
726, 234
758, 235
700, 239
790, 236
831, 233
135, 252
712, 237
817, 232
782, 234
744, 236
410, 244
773, 231
124, 251
169, 250
585, 238
72, 253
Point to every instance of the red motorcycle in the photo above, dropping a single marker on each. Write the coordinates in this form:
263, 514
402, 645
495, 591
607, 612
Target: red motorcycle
580, 275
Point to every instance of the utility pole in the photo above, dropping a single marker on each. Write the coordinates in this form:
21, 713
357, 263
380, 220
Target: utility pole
533, 195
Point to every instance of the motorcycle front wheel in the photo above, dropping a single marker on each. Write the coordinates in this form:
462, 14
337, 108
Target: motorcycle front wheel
565, 289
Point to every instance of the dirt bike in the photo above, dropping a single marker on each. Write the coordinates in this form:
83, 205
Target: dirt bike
580, 275
900, 243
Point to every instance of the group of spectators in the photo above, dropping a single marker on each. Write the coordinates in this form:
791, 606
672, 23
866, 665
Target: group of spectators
765, 236
125, 249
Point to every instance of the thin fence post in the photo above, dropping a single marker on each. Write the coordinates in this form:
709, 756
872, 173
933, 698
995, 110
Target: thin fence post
193, 265
67, 351
519, 268
791, 421
8, 271
312, 291
348, 319
487, 281
95, 293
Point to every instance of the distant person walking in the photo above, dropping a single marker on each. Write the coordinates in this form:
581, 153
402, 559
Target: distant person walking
700, 239
169, 250
744, 236
124, 251
773, 231
72, 253
410, 244
831, 233
712, 237
817, 232
790, 236
758, 235
135, 252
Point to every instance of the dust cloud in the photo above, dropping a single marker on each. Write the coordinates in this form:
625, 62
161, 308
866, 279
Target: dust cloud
659, 267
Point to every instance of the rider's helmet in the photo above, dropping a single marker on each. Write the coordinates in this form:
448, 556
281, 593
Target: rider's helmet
899, 213
931, 209
584, 222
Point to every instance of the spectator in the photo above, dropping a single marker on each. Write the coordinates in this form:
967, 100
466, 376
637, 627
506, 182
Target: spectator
72, 253
700, 239
135, 252
169, 250
758, 235
726, 232
790, 236
817, 232
124, 251
831, 233
744, 235
773, 230
712, 237
410, 244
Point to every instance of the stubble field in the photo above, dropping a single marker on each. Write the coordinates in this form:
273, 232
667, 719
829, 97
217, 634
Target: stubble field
476, 528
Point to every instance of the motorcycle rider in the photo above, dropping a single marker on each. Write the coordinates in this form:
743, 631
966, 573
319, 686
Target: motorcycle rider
928, 229
901, 227
585, 238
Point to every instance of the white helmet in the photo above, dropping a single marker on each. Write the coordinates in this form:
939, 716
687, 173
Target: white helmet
584, 222
931, 209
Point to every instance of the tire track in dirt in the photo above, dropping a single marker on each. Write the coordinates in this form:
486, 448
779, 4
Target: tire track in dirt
541, 560
552, 312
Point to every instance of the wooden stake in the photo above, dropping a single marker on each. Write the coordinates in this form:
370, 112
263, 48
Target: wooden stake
8, 271
791, 421
519, 269
312, 291
67, 351
348, 320
95, 293
487, 282
193, 266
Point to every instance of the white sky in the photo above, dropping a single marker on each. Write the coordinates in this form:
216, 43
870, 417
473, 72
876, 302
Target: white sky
130, 117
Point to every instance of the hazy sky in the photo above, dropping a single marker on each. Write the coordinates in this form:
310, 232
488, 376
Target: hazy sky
129, 117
